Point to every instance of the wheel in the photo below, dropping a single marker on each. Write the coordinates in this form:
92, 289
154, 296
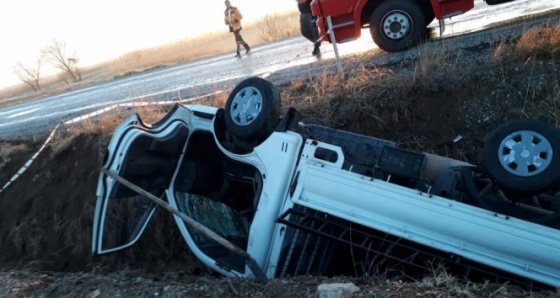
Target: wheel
523, 156
397, 25
252, 109
496, 2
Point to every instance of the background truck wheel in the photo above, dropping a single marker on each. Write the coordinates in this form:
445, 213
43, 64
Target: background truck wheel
496, 2
524, 156
252, 109
397, 25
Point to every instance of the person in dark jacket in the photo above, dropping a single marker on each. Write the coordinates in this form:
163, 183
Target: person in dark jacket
307, 25
232, 18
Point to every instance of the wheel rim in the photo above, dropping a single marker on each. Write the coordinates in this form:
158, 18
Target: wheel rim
396, 25
246, 106
525, 153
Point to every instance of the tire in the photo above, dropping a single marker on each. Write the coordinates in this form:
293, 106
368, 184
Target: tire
252, 109
496, 2
523, 156
397, 25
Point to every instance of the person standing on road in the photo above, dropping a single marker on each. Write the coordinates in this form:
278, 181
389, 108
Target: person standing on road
307, 25
232, 18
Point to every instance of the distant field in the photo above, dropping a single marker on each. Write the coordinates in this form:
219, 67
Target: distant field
267, 29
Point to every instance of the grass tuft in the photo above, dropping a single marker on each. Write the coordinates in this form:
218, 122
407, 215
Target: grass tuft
7, 149
539, 40
277, 26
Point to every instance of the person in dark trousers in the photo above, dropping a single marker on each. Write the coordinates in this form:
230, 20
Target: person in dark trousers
307, 25
232, 18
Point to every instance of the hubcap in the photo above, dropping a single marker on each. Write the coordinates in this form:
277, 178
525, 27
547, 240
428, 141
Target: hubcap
525, 153
246, 106
396, 25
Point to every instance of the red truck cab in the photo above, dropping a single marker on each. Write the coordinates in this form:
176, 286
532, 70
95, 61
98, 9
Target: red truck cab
395, 25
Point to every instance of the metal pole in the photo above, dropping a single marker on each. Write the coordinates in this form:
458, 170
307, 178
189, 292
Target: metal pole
335, 47
257, 270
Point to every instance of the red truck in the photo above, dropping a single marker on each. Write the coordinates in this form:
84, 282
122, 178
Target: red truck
395, 25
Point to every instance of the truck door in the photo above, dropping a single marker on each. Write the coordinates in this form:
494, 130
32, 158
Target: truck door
220, 194
146, 156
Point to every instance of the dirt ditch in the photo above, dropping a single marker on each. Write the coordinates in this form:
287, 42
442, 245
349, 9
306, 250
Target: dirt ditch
46, 215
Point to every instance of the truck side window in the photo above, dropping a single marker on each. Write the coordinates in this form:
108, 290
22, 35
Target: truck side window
219, 193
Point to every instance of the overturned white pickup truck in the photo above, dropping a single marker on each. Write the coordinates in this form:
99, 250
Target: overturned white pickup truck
302, 198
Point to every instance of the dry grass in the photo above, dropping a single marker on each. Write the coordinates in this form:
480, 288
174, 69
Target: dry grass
539, 98
216, 99
106, 123
539, 40
170, 54
341, 101
255, 33
312, 96
548, 106
103, 126
382, 102
152, 114
373, 100
440, 283
437, 66
436, 62
7, 149
364, 100
502, 52
270, 28
277, 26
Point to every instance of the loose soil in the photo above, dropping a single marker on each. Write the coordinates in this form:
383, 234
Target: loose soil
46, 215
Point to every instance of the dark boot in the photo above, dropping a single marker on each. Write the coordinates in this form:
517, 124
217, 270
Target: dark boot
238, 53
247, 47
316, 50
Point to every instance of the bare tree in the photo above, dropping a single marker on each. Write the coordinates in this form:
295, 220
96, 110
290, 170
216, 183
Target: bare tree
56, 53
30, 75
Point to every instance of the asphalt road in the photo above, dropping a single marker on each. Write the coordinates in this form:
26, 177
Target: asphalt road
280, 62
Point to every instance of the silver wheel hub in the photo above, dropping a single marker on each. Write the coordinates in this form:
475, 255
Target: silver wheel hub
396, 25
246, 106
525, 153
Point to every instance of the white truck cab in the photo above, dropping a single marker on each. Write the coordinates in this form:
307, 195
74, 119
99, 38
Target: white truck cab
302, 198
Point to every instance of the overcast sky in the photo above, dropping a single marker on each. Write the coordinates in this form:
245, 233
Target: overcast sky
98, 30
